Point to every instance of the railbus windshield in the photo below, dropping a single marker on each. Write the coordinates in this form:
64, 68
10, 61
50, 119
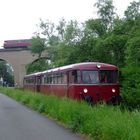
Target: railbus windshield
94, 76
108, 76
90, 77
101, 76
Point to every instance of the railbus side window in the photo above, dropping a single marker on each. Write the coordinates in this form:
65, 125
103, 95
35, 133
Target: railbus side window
47, 79
51, 79
74, 76
44, 79
78, 76
31, 80
59, 78
54, 79
38, 80
27, 81
64, 78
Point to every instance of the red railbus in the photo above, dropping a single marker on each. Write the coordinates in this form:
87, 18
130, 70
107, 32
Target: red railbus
90, 81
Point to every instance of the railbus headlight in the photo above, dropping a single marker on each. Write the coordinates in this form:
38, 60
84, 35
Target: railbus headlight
85, 90
98, 66
113, 90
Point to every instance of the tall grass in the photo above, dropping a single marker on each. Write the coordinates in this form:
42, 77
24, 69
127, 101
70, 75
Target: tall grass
100, 122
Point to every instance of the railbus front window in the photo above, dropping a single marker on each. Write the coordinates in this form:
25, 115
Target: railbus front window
108, 76
90, 77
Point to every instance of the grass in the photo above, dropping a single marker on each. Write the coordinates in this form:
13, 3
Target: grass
101, 122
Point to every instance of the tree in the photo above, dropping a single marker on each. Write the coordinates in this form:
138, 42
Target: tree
131, 70
106, 13
38, 65
67, 35
72, 33
38, 45
133, 11
95, 28
131, 86
133, 52
47, 28
8, 78
61, 29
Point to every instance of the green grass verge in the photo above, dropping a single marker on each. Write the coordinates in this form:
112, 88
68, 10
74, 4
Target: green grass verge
100, 122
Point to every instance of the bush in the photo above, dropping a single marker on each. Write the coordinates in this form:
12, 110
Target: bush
131, 87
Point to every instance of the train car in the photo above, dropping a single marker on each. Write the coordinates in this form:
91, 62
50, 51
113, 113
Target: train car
32, 81
90, 81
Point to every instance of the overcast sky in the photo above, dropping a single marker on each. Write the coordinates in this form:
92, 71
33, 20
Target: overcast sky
18, 18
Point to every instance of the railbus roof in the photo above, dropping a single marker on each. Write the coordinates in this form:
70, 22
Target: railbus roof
78, 66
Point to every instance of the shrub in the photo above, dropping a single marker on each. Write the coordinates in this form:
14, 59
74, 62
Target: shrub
131, 87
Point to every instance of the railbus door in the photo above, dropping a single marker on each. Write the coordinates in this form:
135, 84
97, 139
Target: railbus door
73, 84
38, 83
70, 87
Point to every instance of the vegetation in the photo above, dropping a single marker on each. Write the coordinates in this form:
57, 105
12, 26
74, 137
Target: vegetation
107, 39
100, 122
6, 74
38, 46
38, 65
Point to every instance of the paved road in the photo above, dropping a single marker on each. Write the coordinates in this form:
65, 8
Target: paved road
19, 123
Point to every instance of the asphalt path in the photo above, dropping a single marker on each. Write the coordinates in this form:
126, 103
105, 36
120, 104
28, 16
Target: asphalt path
20, 123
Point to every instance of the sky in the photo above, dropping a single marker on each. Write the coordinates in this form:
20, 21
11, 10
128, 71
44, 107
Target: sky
18, 18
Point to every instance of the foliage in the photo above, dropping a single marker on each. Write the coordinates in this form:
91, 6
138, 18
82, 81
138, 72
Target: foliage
131, 70
6, 74
38, 45
98, 122
107, 38
133, 10
47, 28
133, 51
131, 86
106, 13
95, 27
3, 68
60, 55
38, 65
61, 29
